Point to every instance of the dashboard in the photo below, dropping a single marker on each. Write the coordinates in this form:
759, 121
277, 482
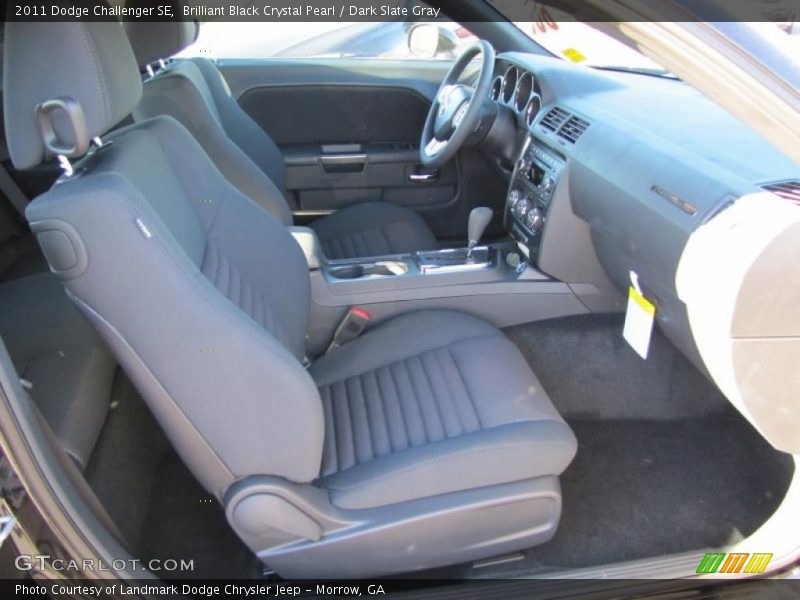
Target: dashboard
612, 173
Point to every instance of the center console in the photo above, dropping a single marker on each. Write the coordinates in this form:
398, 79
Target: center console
486, 280
533, 183
415, 269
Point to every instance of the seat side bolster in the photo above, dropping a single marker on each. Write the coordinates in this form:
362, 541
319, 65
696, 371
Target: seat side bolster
178, 93
241, 128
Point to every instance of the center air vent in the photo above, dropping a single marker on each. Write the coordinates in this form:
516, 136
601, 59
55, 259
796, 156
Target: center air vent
790, 190
554, 118
573, 129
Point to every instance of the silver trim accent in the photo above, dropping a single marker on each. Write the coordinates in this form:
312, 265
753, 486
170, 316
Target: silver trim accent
435, 146
495, 94
422, 177
522, 76
505, 82
531, 119
453, 260
342, 159
66, 165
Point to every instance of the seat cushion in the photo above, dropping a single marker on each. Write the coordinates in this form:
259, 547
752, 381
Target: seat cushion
59, 353
373, 229
433, 402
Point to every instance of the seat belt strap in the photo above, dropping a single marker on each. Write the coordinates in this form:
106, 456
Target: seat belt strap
12, 191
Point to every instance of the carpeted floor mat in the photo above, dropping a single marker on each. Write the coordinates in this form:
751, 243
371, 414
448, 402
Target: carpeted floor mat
158, 505
665, 464
184, 521
639, 489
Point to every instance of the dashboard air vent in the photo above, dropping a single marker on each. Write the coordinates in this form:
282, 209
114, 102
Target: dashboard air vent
554, 118
573, 129
790, 190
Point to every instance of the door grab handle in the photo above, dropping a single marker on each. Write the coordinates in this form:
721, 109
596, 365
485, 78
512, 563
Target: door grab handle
343, 163
343, 159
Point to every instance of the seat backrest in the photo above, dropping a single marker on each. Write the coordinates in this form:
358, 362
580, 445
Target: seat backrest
195, 93
200, 293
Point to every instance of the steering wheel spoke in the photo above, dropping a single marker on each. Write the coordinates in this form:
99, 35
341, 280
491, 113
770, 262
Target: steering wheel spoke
460, 114
444, 93
456, 108
435, 146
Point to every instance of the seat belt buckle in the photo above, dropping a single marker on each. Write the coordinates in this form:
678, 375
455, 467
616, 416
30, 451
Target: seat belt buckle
350, 328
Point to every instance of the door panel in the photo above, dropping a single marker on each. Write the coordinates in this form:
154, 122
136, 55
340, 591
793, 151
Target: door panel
337, 113
349, 131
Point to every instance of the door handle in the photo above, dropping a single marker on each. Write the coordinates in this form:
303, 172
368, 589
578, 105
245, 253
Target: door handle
422, 177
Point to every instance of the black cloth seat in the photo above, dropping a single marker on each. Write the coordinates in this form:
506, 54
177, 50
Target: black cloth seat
426, 441
196, 94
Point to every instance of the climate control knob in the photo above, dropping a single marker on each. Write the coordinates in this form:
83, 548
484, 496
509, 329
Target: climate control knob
523, 206
513, 198
535, 220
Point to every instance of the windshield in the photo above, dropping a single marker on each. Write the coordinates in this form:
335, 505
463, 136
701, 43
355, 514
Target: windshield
583, 43
560, 34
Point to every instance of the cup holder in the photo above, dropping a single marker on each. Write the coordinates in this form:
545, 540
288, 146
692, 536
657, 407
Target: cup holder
384, 268
348, 272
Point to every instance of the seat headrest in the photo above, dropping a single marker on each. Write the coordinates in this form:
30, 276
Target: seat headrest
84, 72
154, 40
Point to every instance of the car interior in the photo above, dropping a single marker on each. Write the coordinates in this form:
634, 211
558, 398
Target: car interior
339, 318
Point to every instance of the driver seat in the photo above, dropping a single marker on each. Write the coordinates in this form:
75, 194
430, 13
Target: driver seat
196, 94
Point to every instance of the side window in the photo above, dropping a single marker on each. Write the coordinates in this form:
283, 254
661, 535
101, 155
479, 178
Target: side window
438, 39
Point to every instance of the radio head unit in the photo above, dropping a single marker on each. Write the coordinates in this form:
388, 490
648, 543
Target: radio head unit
533, 183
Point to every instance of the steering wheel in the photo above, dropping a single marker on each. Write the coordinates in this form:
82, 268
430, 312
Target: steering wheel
456, 109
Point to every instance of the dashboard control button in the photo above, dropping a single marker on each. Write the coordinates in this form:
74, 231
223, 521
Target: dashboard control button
534, 220
523, 207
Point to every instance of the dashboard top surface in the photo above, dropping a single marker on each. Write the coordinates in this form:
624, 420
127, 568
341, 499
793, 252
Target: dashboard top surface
664, 113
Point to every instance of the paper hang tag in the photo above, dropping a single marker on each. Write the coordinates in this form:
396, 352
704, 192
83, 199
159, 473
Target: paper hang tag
638, 319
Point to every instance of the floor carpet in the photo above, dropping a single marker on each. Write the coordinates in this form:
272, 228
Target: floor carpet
158, 505
664, 464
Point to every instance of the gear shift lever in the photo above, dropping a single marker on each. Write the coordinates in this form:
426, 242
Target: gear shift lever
478, 220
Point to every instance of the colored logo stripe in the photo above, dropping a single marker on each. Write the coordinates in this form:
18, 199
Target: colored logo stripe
734, 562
758, 563
711, 563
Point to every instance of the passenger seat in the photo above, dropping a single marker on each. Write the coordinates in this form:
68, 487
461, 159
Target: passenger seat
427, 441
